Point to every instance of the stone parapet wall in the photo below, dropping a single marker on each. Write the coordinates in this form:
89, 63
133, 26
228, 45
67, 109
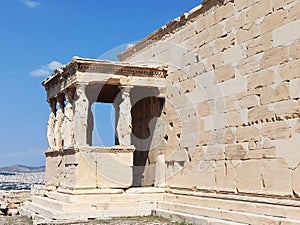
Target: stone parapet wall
232, 108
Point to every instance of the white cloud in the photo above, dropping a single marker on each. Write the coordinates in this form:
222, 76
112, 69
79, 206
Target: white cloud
30, 4
46, 70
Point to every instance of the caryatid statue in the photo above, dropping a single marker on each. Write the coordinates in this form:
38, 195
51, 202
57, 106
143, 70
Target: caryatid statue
51, 124
67, 126
59, 121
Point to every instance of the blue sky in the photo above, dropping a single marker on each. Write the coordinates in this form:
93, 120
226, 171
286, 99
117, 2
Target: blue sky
38, 35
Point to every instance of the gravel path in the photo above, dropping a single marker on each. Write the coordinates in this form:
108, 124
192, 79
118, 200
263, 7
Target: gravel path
149, 220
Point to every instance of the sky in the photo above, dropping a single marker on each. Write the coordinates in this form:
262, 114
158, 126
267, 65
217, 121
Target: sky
39, 35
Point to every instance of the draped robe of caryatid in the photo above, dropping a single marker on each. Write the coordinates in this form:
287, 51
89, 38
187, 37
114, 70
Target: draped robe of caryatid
67, 126
58, 130
50, 130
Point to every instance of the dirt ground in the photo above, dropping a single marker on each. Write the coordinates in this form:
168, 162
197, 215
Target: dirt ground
149, 220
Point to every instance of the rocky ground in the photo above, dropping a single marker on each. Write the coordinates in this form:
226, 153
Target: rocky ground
149, 220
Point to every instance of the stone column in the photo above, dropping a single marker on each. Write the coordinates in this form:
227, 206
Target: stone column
51, 123
67, 127
124, 123
59, 121
81, 109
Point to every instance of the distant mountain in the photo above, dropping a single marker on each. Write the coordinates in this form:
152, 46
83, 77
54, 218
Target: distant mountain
22, 169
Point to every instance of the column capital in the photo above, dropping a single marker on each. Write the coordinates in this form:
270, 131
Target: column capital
81, 85
125, 88
70, 92
52, 104
61, 100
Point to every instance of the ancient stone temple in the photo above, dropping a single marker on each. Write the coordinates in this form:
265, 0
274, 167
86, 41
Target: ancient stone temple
207, 122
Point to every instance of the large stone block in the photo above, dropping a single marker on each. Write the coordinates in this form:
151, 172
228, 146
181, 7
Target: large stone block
247, 32
226, 87
273, 21
286, 33
277, 130
233, 119
225, 176
249, 101
242, 4
235, 152
234, 54
205, 108
278, 4
258, 10
269, 95
215, 61
204, 51
224, 73
250, 65
261, 79
274, 56
290, 70
296, 180
276, 177
246, 134
215, 32
224, 12
248, 176
260, 114
226, 104
287, 149
287, 109
259, 44
224, 43
295, 88
294, 49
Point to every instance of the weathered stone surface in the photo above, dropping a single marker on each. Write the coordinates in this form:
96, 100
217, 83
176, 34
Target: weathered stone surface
224, 12
287, 150
226, 104
274, 56
249, 65
205, 108
273, 21
225, 176
235, 152
223, 43
204, 138
258, 10
259, 114
294, 49
248, 176
233, 118
276, 177
224, 73
277, 130
269, 95
296, 180
246, 134
290, 70
242, 4
259, 44
261, 79
234, 54
249, 101
247, 32
287, 109
295, 88
286, 33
